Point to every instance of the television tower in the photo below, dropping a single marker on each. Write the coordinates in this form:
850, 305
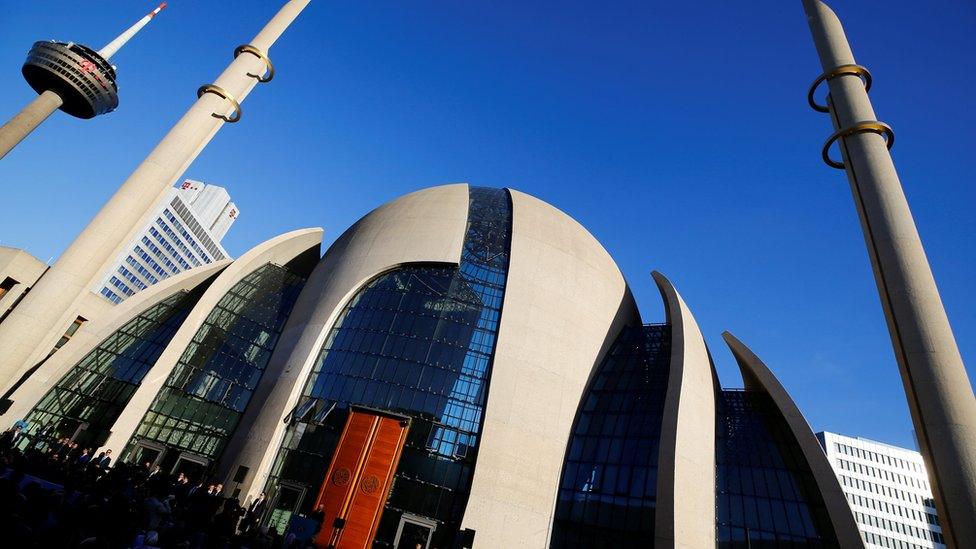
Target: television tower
32, 328
939, 394
74, 78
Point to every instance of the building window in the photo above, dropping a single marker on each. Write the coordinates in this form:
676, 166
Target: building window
6, 285
204, 396
765, 490
88, 399
608, 487
68, 334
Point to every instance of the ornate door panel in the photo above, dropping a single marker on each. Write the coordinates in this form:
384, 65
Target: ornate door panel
359, 479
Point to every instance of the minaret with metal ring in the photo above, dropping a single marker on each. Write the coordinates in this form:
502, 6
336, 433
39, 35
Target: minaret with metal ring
34, 326
939, 394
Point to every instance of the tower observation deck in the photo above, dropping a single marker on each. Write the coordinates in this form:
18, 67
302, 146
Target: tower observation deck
68, 76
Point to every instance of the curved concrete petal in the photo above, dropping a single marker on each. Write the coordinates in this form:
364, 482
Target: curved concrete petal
302, 244
757, 377
686, 467
565, 303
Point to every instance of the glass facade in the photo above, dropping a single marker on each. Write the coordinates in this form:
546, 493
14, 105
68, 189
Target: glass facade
201, 401
608, 488
766, 494
87, 400
417, 341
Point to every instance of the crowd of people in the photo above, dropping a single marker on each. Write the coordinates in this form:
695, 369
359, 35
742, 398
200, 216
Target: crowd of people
58, 494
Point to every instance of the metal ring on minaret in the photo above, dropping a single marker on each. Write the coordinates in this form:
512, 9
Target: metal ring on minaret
842, 70
872, 126
217, 90
260, 55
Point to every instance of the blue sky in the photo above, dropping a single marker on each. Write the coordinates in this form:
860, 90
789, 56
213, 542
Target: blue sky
677, 133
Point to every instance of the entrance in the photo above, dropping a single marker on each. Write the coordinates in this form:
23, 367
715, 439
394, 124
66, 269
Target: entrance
192, 466
358, 481
284, 505
145, 452
414, 532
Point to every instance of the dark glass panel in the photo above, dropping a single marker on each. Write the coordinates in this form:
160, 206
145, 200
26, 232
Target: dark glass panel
763, 479
201, 401
609, 479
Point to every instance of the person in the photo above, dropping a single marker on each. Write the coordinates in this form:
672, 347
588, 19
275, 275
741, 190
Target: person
318, 515
254, 512
61, 446
157, 508
181, 487
257, 506
84, 458
226, 521
196, 489
72, 451
104, 460
11, 437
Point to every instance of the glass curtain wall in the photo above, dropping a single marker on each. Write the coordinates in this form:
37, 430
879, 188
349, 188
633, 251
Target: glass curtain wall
766, 494
199, 406
417, 341
608, 489
87, 400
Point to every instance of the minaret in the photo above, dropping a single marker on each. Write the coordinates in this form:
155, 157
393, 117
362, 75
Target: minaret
939, 394
70, 77
35, 325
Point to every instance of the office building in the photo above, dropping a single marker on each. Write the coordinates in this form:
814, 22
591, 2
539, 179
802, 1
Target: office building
184, 231
463, 363
889, 492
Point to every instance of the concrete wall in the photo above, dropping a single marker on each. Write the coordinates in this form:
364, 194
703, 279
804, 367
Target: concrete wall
565, 302
27, 396
279, 250
29, 271
758, 377
686, 466
425, 226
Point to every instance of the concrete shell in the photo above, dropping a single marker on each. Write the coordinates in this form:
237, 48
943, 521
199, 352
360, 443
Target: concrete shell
302, 244
565, 302
424, 226
686, 467
36, 386
757, 377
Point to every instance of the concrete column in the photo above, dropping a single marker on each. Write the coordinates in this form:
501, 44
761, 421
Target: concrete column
939, 393
21, 125
25, 335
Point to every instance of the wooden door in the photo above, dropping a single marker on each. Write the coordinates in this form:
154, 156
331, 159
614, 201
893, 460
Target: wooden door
359, 478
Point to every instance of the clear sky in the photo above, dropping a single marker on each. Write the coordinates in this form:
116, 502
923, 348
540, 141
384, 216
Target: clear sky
676, 132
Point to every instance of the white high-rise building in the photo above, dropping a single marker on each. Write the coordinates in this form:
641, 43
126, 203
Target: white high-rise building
184, 232
888, 489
